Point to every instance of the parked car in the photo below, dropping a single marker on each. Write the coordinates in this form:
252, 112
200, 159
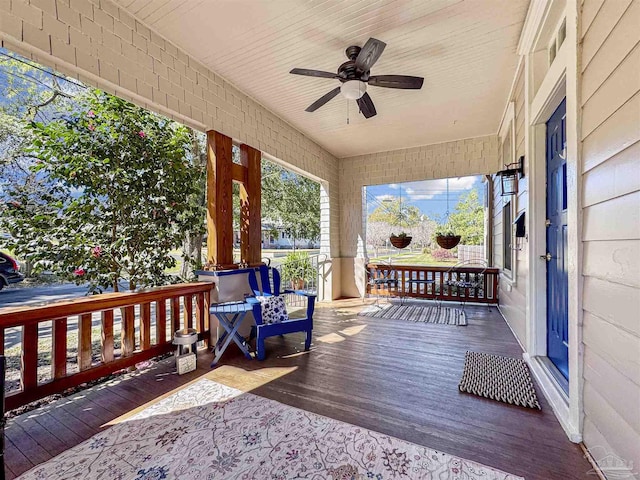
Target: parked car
9, 271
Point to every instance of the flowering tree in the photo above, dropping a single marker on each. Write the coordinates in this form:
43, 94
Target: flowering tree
422, 233
377, 234
116, 201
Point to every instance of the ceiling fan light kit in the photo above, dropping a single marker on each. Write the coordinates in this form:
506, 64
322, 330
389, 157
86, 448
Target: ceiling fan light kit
355, 75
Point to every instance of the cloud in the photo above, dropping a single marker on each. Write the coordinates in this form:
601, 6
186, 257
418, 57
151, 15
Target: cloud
428, 189
385, 198
394, 186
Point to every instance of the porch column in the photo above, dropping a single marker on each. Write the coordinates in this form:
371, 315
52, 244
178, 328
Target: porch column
219, 200
250, 206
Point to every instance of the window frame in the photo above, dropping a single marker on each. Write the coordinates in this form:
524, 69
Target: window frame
508, 133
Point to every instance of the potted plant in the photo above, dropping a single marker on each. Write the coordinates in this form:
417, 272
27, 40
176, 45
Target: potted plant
400, 241
296, 269
447, 239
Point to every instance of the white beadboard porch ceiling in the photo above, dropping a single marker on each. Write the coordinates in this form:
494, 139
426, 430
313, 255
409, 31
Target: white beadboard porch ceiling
465, 50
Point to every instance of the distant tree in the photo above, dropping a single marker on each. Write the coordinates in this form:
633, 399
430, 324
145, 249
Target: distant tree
194, 232
397, 214
422, 233
117, 199
467, 220
291, 201
378, 234
27, 92
30, 91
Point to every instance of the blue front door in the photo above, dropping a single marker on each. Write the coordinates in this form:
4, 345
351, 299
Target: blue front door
557, 283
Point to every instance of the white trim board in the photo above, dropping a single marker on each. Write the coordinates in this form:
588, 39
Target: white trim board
555, 396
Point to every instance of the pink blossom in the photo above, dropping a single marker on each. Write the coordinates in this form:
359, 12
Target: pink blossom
79, 272
91, 127
96, 251
142, 134
91, 114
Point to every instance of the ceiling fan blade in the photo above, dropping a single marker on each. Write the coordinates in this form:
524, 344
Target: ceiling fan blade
369, 54
322, 100
313, 73
396, 81
366, 106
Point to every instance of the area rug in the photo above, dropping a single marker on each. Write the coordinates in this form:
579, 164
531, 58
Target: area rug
210, 431
417, 313
500, 378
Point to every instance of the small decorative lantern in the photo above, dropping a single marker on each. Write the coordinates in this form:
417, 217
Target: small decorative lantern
510, 176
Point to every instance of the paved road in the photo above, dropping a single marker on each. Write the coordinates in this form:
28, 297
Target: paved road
20, 296
15, 297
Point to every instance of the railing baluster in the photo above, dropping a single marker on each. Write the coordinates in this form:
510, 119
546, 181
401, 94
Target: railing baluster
29, 360
188, 311
59, 348
161, 321
145, 326
84, 341
128, 331
200, 312
107, 336
175, 315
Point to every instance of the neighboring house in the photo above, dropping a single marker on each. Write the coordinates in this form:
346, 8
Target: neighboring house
276, 237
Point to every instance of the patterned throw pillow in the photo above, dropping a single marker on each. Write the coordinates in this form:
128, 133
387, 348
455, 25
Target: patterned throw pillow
273, 309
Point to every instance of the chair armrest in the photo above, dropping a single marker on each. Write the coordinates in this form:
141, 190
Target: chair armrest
300, 292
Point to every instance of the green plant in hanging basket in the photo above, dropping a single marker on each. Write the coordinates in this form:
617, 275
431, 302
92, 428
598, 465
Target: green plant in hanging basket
400, 241
447, 239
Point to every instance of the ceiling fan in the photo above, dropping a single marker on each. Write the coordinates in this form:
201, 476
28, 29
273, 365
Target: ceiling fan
355, 75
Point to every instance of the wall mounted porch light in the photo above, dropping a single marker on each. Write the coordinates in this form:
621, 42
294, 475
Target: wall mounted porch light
510, 176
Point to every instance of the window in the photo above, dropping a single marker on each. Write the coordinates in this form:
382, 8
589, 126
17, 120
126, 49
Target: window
507, 237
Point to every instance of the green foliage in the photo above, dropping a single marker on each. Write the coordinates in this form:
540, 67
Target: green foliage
468, 220
290, 200
297, 265
445, 231
400, 235
396, 213
117, 198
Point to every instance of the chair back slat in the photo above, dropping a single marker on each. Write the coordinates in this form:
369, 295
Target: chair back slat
269, 281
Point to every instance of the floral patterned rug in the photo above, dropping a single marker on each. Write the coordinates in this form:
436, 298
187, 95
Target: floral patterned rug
211, 431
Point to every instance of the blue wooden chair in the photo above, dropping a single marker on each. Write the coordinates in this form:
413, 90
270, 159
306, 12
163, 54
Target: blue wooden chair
270, 286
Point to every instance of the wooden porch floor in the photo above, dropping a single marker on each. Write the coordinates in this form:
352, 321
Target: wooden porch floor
395, 377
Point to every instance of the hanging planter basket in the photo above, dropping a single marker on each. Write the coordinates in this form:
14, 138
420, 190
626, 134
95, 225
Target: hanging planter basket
448, 241
400, 242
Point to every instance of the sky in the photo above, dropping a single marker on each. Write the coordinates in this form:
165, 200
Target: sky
430, 196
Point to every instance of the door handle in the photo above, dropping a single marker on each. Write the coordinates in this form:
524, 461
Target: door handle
546, 257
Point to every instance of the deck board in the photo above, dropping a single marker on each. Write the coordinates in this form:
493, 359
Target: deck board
395, 377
